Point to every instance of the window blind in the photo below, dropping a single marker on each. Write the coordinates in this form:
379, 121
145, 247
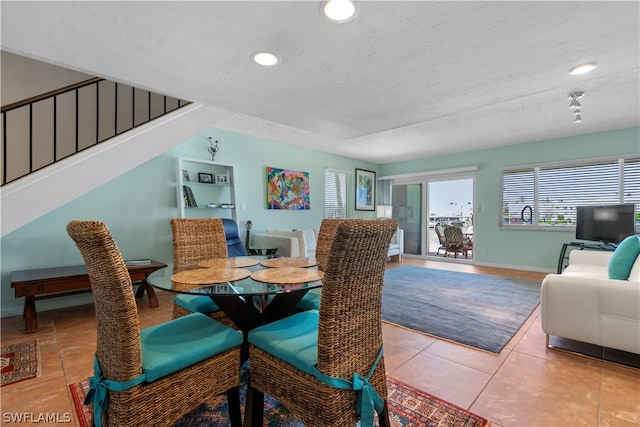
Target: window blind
547, 194
335, 193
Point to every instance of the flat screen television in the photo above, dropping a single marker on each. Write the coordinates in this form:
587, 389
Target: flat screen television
607, 223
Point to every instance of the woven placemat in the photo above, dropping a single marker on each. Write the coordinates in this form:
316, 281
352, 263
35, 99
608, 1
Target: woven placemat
287, 275
289, 262
235, 262
210, 276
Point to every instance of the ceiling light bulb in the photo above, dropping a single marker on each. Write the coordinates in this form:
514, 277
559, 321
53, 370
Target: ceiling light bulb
339, 10
577, 112
583, 68
578, 119
265, 58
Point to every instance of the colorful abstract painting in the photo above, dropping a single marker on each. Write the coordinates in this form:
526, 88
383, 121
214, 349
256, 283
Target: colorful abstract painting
287, 189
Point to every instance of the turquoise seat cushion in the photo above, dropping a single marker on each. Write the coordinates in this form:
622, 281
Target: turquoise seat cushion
196, 303
293, 339
182, 342
310, 301
623, 258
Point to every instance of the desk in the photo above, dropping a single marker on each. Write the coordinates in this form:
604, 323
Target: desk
56, 282
564, 256
247, 302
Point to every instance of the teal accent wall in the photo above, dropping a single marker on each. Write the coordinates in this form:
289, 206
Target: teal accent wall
535, 250
138, 205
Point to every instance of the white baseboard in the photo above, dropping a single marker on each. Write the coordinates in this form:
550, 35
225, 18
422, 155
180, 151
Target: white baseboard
483, 264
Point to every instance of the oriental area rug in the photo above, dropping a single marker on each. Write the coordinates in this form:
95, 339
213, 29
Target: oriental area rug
20, 361
476, 310
409, 407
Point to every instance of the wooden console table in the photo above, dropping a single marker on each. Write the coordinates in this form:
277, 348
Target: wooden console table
56, 282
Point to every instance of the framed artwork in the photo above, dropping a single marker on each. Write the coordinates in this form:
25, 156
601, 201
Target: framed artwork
365, 190
221, 179
185, 175
207, 178
287, 189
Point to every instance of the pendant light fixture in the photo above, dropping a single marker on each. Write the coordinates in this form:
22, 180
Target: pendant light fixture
575, 105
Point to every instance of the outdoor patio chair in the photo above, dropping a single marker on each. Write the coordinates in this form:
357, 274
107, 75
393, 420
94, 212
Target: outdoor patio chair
443, 242
455, 241
327, 367
156, 375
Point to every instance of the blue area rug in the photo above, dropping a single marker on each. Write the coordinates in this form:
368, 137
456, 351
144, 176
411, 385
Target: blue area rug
472, 309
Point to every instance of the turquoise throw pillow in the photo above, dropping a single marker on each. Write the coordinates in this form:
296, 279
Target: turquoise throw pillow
623, 258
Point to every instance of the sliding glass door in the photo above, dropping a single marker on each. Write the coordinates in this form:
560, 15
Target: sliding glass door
424, 205
450, 202
407, 210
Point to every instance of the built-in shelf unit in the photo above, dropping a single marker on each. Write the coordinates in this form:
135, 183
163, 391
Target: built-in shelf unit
205, 189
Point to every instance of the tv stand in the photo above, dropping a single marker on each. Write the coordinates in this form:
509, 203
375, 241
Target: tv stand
600, 245
564, 256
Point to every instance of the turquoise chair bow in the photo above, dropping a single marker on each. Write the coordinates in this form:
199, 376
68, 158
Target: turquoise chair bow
98, 391
369, 400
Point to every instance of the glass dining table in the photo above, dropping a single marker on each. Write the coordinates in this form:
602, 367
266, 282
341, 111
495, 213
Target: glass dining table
251, 291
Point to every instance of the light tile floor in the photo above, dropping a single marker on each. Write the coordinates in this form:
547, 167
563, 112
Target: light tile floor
525, 385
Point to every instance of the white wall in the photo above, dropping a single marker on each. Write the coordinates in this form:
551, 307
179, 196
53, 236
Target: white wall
23, 77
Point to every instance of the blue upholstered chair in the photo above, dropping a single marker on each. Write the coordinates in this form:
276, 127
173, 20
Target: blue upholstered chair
235, 247
157, 375
327, 367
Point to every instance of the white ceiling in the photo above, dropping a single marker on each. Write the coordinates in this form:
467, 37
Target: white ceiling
402, 80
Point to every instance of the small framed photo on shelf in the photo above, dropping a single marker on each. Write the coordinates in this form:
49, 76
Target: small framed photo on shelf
207, 178
185, 175
221, 179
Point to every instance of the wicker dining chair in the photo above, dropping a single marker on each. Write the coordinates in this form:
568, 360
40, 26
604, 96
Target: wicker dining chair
314, 361
156, 375
326, 232
311, 300
195, 240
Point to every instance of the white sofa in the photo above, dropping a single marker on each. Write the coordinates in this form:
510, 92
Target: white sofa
396, 247
583, 304
302, 243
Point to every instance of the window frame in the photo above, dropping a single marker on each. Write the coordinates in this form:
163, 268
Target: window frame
545, 166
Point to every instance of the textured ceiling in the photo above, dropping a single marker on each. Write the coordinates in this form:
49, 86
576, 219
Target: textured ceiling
402, 80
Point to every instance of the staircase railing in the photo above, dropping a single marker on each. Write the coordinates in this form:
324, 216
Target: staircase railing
42, 130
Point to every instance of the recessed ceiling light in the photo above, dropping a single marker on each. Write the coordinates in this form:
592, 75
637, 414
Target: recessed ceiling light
265, 58
339, 10
583, 68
